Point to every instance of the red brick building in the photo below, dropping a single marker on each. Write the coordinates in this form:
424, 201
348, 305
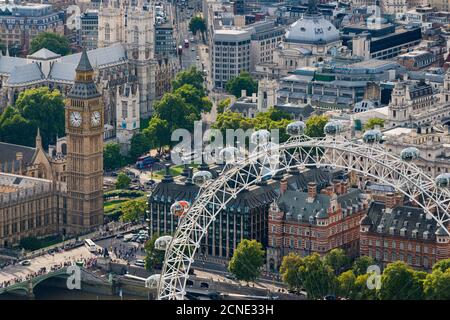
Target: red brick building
308, 222
392, 231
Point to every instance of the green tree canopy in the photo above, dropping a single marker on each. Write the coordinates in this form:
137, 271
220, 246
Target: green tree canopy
153, 258
361, 290
223, 105
123, 181
315, 125
133, 210
317, 277
51, 41
347, 286
361, 264
400, 282
140, 144
190, 76
373, 122
112, 159
158, 133
338, 260
176, 112
44, 109
247, 260
244, 81
197, 24
194, 97
442, 265
14, 128
289, 271
437, 285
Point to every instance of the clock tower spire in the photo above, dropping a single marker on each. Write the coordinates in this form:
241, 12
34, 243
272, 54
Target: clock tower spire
84, 132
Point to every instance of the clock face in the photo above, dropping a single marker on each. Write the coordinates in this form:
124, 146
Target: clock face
95, 118
75, 119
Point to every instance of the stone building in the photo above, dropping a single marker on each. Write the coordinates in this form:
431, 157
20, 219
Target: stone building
392, 231
132, 24
59, 192
314, 222
19, 24
30, 207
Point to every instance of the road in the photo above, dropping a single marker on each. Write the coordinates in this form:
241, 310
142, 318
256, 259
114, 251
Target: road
48, 260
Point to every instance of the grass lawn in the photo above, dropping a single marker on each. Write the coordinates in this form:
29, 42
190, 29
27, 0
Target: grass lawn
174, 171
112, 204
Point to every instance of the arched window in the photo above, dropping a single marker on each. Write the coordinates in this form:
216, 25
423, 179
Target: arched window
107, 32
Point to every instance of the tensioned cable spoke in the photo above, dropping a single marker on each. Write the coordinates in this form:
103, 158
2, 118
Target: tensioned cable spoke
370, 160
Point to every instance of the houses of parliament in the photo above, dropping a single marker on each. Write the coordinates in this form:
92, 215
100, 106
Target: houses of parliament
59, 192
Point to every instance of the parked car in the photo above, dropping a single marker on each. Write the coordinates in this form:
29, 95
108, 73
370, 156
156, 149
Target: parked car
139, 263
25, 263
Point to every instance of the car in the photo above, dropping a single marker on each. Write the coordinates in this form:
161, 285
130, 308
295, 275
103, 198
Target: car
193, 49
119, 236
198, 58
136, 180
230, 276
204, 285
139, 263
25, 262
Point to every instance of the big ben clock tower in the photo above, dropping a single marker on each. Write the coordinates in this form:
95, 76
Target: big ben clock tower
84, 132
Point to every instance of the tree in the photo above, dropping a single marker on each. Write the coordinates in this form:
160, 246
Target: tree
346, 282
16, 129
223, 105
442, 265
177, 113
133, 210
158, 133
44, 109
400, 282
51, 41
112, 159
194, 97
338, 260
361, 290
247, 260
437, 285
315, 125
190, 76
361, 264
140, 144
373, 122
317, 277
123, 181
243, 81
289, 271
196, 24
153, 258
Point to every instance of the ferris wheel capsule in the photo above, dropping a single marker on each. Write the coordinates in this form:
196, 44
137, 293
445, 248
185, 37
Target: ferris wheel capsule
179, 208
372, 136
332, 128
162, 243
200, 177
409, 154
229, 154
152, 281
260, 137
296, 128
443, 180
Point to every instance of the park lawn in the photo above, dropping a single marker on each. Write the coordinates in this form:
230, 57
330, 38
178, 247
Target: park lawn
174, 171
112, 204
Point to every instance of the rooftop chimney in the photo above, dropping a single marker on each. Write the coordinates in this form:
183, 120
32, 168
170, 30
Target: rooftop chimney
312, 190
283, 185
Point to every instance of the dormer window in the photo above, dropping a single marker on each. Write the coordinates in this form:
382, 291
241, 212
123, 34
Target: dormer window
403, 232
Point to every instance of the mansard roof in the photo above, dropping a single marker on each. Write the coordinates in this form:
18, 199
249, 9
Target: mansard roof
409, 219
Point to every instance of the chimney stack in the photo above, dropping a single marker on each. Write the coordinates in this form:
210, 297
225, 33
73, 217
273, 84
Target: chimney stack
283, 185
312, 190
390, 200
